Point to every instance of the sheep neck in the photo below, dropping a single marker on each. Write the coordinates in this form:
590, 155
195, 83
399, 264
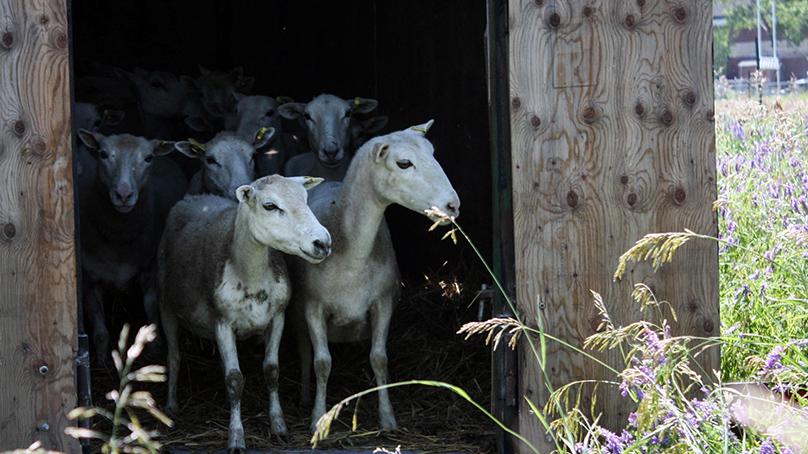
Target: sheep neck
360, 212
248, 257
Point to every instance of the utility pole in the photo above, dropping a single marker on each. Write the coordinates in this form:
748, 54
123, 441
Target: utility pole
774, 42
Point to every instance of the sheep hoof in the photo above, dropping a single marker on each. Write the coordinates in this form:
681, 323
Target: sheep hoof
388, 423
279, 429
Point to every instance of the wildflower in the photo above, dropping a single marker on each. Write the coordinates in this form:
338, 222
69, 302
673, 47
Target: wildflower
755, 276
767, 447
614, 445
773, 360
738, 132
632, 419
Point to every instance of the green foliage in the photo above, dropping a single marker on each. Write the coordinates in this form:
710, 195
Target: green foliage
792, 17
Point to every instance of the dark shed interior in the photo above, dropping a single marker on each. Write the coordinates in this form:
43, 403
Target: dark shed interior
420, 59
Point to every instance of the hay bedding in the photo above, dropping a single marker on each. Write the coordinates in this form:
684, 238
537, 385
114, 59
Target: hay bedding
422, 345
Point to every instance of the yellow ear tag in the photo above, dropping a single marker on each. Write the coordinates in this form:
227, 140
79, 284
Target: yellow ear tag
357, 101
196, 146
419, 129
261, 133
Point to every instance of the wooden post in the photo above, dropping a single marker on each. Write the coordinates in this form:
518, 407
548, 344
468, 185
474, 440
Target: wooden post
612, 138
37, 244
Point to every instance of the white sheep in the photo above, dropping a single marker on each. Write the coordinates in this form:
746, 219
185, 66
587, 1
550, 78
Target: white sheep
350, 296
123, 210
222, 276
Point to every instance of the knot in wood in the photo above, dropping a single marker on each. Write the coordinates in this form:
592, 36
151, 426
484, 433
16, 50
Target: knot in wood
39, 146
679, 196
630, 21
680, 14
708, 326
667, 117
572, 199
539, 2
710, 115
690, 97
516, 103
624, 179
44, 19
555, 19
640, 3
7, 39
19, 128
535, 121
589, 114
61, 40
9, 231
639, 109
587, 11
631, 199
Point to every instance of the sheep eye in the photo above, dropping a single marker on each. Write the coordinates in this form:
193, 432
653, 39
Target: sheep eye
348, 113
404, 164
270, 112
269, 206
307, 117
149, 158
211, 161
103, 154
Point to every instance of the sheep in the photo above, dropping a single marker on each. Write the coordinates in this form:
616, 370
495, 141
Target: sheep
257, 112
169, 105
121, 218
308, 164
350, 296
327, 120
217, 90
227, 161
222, 276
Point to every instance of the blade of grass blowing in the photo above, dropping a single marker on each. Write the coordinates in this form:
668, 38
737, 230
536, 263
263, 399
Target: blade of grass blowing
323, 426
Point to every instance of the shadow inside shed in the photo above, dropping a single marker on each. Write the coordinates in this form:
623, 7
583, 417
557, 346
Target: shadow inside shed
420, 59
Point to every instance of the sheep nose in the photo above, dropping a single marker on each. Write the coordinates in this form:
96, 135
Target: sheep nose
322, 248
331, 151
124, 195
453, 209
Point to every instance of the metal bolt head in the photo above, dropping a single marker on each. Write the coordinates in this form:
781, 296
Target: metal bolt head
43, 369
43, 427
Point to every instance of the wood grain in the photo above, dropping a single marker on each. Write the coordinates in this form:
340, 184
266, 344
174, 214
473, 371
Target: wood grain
612, 138
37, 244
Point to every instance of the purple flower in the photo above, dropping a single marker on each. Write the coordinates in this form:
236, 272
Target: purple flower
632, 419
767, 447
773, 360
614, 445
755, 276
738, 132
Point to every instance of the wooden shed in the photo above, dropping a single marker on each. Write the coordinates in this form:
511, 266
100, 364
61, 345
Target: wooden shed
571, 129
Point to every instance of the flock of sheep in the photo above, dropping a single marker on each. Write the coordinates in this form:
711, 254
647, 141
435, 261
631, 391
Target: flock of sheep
224, 252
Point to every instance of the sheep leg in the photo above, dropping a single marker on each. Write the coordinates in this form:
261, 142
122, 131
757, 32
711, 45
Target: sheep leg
318, 333
234, 381
380, 322
304, 349
271, 373
94, 308
171, 333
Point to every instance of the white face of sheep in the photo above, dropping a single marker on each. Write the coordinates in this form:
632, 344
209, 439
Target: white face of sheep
217, 89
123, 164
279, 216
159, 93
227, 160
327, 120
405, 172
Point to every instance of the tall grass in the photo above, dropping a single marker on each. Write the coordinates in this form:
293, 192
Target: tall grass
764, 302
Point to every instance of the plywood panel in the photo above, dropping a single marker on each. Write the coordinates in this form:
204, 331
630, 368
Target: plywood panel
37, 252
612, 138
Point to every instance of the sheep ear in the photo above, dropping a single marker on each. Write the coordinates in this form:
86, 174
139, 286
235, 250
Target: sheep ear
380, 150
187, 149
244, 193
363, 105
238, 96
374, 124
163, 147
197, 124
422, 129
262, 137
307, 182
292, 110
113, 117
92, 140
